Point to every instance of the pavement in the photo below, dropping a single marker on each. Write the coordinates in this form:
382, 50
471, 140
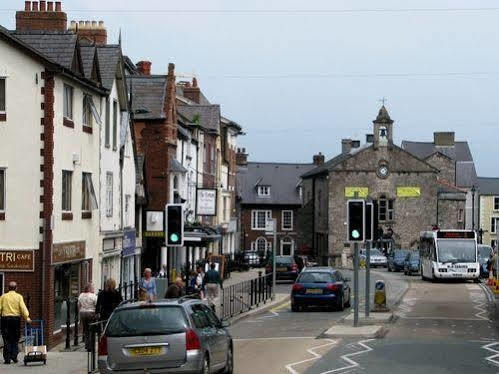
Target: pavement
57, 362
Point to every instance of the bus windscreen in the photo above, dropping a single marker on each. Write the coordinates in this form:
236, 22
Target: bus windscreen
457, 250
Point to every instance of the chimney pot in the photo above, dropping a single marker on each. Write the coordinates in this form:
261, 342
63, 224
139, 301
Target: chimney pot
101, 24
81, 25
355, 143
369, 138
73, 25
94, 24
27, 6
58, 7
194, 82
34, 6
50, 6
319, 159
144, 67
43, 6
346, 145
88, 25
171, 68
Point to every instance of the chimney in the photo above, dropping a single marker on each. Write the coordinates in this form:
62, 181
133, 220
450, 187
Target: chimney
93, 31
241, 157
319, 159
444, 138
39, 16
144, 67
370, 138
193, 92
346, 145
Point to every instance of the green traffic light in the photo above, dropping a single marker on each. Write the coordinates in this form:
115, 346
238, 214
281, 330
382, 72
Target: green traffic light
174, 238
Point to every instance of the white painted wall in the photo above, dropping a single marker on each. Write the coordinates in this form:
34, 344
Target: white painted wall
20, 149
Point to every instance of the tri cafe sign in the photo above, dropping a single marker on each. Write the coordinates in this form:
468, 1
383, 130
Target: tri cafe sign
17, 260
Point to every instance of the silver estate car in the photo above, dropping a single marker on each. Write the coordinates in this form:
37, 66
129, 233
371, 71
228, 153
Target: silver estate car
165, 336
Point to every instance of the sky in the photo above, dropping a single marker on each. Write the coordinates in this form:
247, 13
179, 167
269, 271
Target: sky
300, 76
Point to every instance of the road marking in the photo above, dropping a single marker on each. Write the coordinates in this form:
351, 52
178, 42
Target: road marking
446, 318
275, 338
479, 304
351, 363
315, 355
494, 359
281, 307
406, 307
272, 313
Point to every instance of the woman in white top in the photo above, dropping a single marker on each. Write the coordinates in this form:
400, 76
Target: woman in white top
86, 306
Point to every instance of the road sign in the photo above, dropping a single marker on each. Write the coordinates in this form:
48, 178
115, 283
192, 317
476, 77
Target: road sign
355, 220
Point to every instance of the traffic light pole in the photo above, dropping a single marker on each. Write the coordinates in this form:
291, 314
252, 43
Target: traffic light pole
368, 278
273, 260
356, 284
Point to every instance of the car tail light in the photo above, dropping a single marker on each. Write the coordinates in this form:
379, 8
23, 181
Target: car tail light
294, 267
333, 287
103, 346
192, 341
297, 287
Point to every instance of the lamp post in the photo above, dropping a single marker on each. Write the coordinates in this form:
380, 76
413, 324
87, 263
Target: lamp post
473, 190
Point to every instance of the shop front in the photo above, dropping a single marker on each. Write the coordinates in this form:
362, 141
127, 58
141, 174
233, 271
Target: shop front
18, 266
72, 270
130, 254
111, 259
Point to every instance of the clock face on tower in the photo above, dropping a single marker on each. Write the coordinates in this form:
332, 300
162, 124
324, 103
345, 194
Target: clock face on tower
383, 170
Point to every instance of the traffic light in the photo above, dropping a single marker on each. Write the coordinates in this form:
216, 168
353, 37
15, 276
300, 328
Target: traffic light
355, 220
174, 230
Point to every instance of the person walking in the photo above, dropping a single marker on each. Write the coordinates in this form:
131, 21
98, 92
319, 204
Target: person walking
199, 281
211, 282
148, 283
176, 290
107, 300
12, 308
87, 301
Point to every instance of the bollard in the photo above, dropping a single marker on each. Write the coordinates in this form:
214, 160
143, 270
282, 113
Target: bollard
380, 297
68, 324
75, 343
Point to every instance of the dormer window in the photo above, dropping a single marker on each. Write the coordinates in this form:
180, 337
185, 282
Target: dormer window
263, 191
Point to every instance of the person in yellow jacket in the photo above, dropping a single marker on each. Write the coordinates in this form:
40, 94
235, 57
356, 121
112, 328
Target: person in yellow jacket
12, 308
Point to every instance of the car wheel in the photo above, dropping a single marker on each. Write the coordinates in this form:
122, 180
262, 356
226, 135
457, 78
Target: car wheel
340, 307
206, 366
295, 308
348, 304
229, 365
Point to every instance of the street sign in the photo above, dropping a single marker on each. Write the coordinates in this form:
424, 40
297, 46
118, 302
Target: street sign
356, 221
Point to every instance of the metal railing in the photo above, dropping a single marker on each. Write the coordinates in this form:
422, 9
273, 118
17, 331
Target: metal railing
244, 296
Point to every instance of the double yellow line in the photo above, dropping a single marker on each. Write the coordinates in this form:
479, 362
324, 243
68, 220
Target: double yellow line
281, 306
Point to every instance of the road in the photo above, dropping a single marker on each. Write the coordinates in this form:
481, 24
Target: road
440, 328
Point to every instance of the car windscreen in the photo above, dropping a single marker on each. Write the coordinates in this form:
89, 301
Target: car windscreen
284, 260
456, 250
484, 252
414, 257
376, 252
315, 277
400, 254
147, 320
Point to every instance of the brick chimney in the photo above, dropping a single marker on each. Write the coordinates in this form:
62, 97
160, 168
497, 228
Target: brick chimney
144, 67
319, 159
241, 157
40, 16
91, 30
444, 138
193, 92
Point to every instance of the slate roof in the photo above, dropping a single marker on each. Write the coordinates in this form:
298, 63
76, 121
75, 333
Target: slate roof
488, 186
459, 152
207, 116
177, 167
466, 174
109, 57
148, 95
282, 178
87, 59
58, 46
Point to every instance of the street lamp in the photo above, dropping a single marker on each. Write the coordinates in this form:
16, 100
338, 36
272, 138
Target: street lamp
473, 190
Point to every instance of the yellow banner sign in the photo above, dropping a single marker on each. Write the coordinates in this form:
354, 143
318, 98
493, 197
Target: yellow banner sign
408, 192
362, 192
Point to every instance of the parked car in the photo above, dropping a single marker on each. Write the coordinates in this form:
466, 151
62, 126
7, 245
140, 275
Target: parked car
252, 258
174, 336
377, 257
286, 268
320, 286
396, 259
484, 252
412, 263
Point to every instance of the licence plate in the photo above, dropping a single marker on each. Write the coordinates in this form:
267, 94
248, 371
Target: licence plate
314, 291
282, 269
145, 351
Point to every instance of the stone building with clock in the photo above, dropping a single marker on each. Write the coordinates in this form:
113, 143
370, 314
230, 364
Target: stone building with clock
409, 192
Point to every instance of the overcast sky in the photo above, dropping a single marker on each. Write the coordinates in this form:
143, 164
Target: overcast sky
299, 82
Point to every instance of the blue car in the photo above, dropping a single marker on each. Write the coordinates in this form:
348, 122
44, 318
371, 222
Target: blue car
396, 259
412, 263
484, 252
320, 286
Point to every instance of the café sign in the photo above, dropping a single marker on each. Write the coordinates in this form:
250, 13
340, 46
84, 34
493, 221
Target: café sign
68, 252
20, 261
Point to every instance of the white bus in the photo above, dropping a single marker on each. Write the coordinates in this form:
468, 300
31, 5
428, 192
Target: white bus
449, 254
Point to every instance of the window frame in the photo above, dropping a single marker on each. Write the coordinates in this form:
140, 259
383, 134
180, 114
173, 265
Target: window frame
493, 224
67, 197
115, 125
386, 207
87, 115
460, 215
128, 199
254, 219
68, 108
3, 193
85, 191
290, 228
109, 194
107, 129
264, 191
4, 80
260, 239
495, 202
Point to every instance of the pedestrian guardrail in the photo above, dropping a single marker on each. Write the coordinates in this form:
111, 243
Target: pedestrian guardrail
245, 296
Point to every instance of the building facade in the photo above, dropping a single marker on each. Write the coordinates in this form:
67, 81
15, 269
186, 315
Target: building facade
489, 210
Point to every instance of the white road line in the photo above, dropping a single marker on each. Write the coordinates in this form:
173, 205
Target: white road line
494, 359
479, 304
351, 363
275, 338
315, 355
262, 319
445, 318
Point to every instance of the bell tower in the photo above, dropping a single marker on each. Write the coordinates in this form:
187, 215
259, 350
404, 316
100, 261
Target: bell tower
383, 129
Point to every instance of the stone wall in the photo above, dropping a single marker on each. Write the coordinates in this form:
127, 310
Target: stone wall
445, 165
448, 213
